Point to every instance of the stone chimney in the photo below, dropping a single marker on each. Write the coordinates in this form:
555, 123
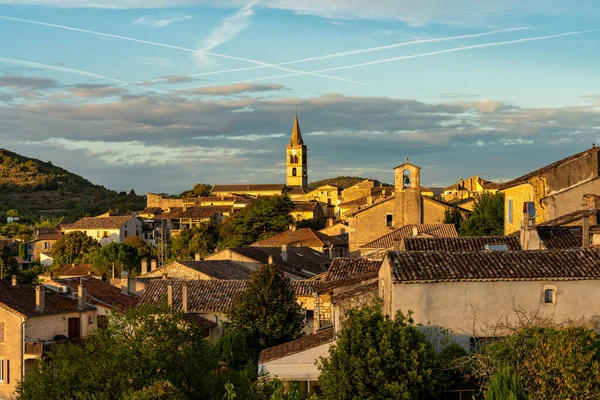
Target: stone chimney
40, 298
14, 280
284, 253
585, 231
81, 295
529, 237
144, 266
170, 294
125, 282
270, 262
197, 257
184, 296
330, 222
415, 231
152, 265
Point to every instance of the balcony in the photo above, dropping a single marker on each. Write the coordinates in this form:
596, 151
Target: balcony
34, 349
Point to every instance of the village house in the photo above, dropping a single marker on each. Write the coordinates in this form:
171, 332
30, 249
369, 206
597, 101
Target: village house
42, 242
69, 271
107, 228
328, 195
200, 269
468, 189
481, 294
305, 237
32, 318
555, 190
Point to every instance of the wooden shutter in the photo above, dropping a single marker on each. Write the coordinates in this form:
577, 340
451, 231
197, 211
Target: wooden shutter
5, 371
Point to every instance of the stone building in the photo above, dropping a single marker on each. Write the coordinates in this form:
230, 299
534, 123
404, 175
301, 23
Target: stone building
107, 228
296, 159
42, 242
555, 190
468, 188
329, 246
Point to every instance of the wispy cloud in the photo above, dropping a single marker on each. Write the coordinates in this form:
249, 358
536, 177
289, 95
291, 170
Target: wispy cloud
25, 82
229, 29
230, 89
160, 21
180, 48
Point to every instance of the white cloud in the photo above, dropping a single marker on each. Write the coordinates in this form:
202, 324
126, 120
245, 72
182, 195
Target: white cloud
160, 21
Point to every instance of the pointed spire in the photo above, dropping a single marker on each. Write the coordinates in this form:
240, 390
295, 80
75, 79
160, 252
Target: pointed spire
296, 134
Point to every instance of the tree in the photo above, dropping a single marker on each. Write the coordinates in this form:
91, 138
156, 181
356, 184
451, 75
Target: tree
265, 217
199, 190
122, 255
201, 239
453, 216
72, 247
267, 309
376, 357
143, 354
552, 363
145, 249
487, 218
12, 213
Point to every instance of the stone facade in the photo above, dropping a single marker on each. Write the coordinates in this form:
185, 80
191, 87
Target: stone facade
296, 159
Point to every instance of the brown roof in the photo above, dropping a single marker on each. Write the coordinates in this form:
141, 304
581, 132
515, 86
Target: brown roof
19, 260
295, 190
471, 243
247, 188
560, 237
194, 212
370, 288
305, 206
199, 320
21, 299
100, 222
424, 267
547, 168
300, 237
103, 293
217, 269
387, 241
207, 296
569, 218
74, 270
341, 268
302, 261
151, 211
307, 342
47, 234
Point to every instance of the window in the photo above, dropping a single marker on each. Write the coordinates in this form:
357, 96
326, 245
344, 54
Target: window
510, 209
125, 234
98, 234
104, 234
294, 173
549, 296
310, 314
389, 220
4, 371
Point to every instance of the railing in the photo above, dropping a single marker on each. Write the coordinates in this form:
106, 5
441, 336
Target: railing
34, 348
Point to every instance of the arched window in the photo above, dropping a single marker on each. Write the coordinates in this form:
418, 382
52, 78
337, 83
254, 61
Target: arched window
292, 159
293, 171
406, 179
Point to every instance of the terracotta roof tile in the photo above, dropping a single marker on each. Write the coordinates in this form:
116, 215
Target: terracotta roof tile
303, 262
247, 188
342, 268
369, 288
305, 206
74, 270
100, 222
387, 241
423, 267
103, 293
569, 218
299, 237
217, 269
194, 212
471, 243
307, 342
560, 237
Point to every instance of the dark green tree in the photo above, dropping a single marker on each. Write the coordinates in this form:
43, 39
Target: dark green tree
199, 190
487, 217
265, 217
145, 249
139, 355
267, 310
453, 216
122, 255
72, 247
201, 239
376, 357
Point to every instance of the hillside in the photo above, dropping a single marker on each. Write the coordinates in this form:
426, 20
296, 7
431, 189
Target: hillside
37, 188
340, 181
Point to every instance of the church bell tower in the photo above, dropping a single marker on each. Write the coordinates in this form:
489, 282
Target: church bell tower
296, 157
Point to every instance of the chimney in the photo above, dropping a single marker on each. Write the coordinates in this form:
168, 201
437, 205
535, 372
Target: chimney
40, 298
170, 294
330, 222
14, 280
164, 275
144, 266
125, 282
81, 295
415, 231
585, 231
460, 183
284, 253
270, 262
197, 257
529, 237
369, 200
184, 296
152, 265
397, 244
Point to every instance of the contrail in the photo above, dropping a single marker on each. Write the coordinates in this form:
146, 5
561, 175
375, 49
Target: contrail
432, 53
55, 68
264, 64
352, 52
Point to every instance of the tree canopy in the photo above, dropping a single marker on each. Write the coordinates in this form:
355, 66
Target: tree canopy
267, 309
201, 239
199, 189
72, 247
123, 256
376, 357
487, 217
265, 217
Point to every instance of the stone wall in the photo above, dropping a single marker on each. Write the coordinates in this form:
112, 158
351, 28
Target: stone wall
156, 200
368, 225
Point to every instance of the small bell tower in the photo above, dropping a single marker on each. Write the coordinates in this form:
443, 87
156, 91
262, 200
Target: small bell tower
409, 205
296, 159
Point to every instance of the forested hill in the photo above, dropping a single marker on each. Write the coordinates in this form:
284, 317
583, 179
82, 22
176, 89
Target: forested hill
36, 188
340, 181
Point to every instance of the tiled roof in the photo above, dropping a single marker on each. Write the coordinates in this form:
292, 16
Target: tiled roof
21, 299
195, 212
423, 267
360, 201
247, 188
574, 216
103, 293
295, 190
47, 234
74, 270
206, 296
547, 168
19, 260
300, 237
560, 237
304, 287
471, 243
387, 241
299, 258
342, 268
217, 269
199, 320
371, 288
151, 211
100, 222
305, 206
307, 342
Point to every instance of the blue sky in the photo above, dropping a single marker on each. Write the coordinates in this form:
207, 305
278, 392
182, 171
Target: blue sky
124, 92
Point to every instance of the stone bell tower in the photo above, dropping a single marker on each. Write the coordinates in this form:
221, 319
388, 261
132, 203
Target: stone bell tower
408, 207
296, 159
